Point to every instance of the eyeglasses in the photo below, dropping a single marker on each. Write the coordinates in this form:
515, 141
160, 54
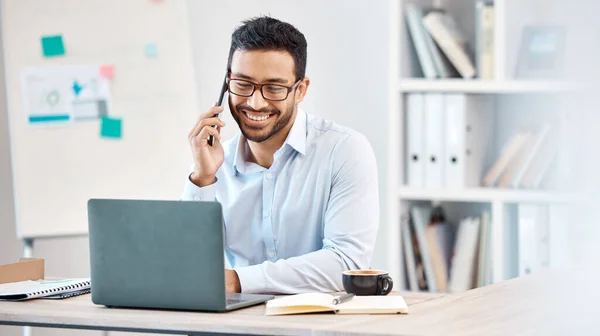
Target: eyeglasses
272, 92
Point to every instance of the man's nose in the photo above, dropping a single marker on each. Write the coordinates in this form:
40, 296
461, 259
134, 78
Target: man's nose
256, 101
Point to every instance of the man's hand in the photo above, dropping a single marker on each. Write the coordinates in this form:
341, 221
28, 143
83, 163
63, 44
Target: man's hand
207, 158
232, 282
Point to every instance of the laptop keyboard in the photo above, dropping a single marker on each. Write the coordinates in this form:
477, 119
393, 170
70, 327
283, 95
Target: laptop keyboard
233, 301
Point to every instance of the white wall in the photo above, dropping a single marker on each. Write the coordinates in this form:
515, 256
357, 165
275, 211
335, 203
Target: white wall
10, 248
347, 63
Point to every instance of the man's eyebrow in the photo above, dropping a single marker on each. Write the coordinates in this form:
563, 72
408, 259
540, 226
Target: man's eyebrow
268, 80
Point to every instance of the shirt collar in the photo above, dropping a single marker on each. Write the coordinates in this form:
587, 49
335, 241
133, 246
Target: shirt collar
296, 139
297, 136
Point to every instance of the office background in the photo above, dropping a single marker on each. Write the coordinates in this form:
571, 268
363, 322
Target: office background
350, 52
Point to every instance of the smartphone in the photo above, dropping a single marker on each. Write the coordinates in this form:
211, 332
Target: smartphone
211, 139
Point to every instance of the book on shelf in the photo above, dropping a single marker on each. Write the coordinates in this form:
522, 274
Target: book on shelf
440, 238
451, 41
418, 35
420, 216
441, 47
525, 159
409, 253
484, 39
456, 257
509, 151
484, 274
462, 275
431, 59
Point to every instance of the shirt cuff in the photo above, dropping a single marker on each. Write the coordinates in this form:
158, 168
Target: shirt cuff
252, 279
192, 192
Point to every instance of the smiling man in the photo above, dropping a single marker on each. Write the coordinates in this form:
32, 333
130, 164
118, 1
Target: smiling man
299, 193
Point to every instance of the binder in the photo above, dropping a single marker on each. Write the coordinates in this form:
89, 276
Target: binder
468, 125
559, 236
434, 140
415, 141
533, 238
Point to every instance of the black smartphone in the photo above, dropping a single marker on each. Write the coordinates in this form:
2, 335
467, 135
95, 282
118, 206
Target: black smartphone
211, 139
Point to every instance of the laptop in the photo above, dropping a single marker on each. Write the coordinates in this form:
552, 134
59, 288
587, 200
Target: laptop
160, 254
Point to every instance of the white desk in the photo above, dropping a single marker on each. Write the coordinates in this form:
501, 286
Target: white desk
80, 313
554, 303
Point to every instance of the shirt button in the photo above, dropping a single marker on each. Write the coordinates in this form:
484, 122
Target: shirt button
269, 176
271, 254
197, 198
266, 214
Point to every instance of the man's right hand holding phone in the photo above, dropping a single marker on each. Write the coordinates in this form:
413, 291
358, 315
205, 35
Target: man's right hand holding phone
207, 159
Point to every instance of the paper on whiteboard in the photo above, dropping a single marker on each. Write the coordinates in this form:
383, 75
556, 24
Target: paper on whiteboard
65, 94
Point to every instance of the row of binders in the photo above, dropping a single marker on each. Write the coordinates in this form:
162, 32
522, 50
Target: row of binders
441, 47
447, 139
440, 257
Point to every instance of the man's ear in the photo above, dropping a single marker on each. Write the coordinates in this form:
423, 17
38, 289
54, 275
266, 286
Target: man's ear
301, 89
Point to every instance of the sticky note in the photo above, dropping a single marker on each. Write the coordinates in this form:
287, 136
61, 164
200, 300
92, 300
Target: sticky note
151, 50
53, 46
111, 128
107, 71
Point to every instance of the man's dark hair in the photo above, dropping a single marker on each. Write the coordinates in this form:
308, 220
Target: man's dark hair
267, 33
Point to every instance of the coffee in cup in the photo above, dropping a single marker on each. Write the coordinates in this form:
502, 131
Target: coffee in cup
367, 282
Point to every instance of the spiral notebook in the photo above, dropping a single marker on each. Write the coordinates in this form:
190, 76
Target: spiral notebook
51, 289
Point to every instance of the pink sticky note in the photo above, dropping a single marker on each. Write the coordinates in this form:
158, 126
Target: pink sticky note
107, 71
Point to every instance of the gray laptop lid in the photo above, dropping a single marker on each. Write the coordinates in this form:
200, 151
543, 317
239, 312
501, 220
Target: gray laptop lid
157, 254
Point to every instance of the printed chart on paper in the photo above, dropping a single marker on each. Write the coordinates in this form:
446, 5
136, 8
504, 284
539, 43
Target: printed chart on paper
65, 94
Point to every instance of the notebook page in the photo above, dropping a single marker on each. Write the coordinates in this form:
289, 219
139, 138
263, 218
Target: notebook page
306, 299
374, 305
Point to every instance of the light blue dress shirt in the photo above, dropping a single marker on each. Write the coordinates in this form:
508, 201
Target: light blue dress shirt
295, 226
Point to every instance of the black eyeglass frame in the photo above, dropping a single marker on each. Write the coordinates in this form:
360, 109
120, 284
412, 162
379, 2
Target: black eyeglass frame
260, 87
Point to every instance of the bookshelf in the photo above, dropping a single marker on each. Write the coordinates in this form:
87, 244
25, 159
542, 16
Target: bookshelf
487, 195
481, 86
517, 102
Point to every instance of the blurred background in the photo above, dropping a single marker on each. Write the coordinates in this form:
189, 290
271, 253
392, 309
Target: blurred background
483, 116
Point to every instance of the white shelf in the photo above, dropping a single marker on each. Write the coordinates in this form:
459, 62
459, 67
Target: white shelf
484, 195
480, 86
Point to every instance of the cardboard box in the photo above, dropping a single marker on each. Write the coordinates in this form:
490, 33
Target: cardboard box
24, 269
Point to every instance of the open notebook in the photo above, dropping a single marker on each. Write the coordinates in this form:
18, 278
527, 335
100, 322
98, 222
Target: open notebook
52, 289
321, 302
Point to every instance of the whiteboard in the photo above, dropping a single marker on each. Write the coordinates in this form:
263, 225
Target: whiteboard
57, 169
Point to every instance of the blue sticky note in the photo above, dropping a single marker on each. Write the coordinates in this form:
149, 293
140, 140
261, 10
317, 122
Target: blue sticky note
151, 50
111, 128
53, 46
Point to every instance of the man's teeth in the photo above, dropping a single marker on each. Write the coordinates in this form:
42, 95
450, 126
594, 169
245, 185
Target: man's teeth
257, 117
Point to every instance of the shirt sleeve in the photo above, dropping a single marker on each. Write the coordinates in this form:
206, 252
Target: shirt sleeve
350, 226
192, 192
